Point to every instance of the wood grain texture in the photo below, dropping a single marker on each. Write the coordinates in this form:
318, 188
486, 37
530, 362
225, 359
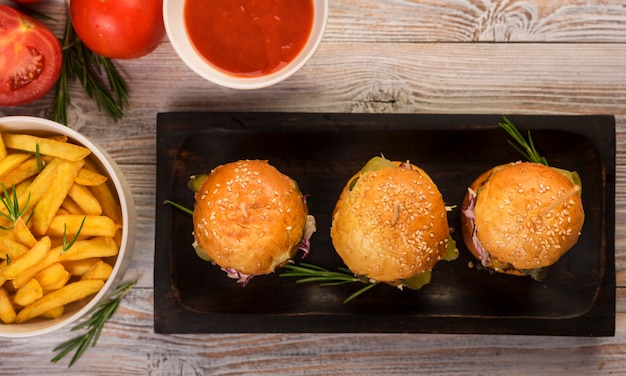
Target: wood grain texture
478, 21
388, 56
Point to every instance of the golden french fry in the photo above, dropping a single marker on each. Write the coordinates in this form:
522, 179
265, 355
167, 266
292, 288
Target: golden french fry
108, 201
58, 137
85, 199
62, 211
79, 267
110, 205
60, 185
27, 260
50, 258
90, 178
7, 312
94, 225
3, 149
28, 293
45, 146
11, 248
70, 207
11, 162
101, 270
28, 194
22, 189
69, 293
22, 234
53, 277
26, 170
95, 247
54, 313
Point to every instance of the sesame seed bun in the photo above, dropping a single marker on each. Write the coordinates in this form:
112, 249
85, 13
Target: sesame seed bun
527, 216
391, 224
249, 217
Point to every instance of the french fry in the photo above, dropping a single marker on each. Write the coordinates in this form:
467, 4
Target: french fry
108, 201
94, 225
22, 234
100, 270
27, 260
12, 248
11, 162
54, 313
22, 190
62, 211
95, 247
85, 199
70, 207
45, 146
7, 311
60, 185
90, 178
69, 293
28, 293
79, 267
50, 258
58, 137
53, 277
31, 192
27, 169
3, 149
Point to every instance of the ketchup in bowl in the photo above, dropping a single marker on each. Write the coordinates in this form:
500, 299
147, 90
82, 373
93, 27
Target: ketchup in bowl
249, 38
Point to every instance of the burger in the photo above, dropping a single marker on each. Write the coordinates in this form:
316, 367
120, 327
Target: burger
249, 218
520, 218
390, 224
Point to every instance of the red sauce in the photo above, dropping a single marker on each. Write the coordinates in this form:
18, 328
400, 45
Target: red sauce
249, 38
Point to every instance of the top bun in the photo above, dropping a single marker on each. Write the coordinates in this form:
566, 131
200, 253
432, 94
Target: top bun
249, 218
527, 216
390, 224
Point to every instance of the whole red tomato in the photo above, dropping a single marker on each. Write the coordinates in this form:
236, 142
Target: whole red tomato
119, 29
30, 58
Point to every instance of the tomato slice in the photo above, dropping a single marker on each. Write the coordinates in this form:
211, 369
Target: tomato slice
30, 58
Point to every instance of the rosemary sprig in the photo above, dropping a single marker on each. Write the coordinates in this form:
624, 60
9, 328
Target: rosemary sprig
526, 148
79, 62
99, 315
11, 204
40, 163
66, 246
314, 273
179, 207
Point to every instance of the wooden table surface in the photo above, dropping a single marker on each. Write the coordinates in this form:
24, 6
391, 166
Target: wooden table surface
384, 56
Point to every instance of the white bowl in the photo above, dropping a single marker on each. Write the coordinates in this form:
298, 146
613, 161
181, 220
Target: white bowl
173, 16
73, 312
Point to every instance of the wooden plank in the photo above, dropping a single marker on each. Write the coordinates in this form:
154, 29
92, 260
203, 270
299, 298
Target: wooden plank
128, 338
422, 78
414, 21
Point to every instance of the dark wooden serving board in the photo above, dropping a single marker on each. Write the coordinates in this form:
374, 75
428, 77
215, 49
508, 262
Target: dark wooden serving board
321, 152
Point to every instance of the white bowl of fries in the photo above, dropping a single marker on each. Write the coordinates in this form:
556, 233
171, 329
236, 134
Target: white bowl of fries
67, 226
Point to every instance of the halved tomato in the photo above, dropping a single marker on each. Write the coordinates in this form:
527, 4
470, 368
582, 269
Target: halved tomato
30, 58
